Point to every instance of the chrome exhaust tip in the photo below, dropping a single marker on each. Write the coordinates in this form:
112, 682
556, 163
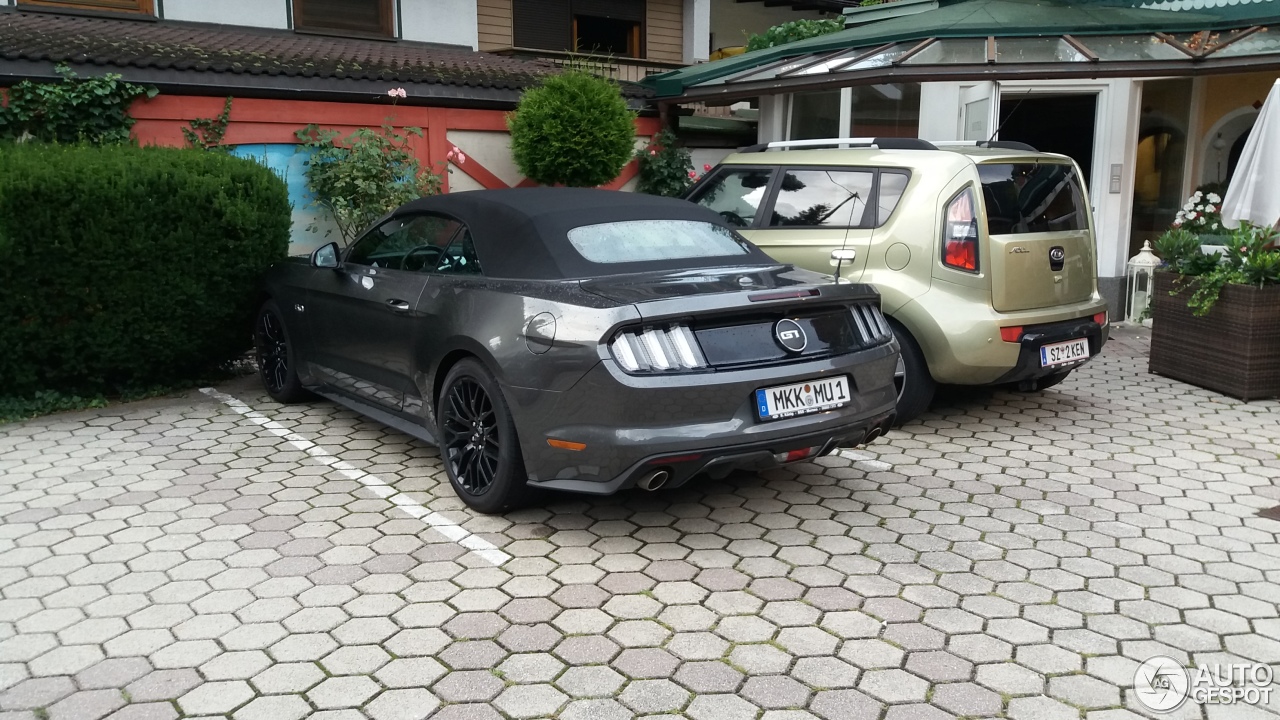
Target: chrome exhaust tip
653, 480
872, 435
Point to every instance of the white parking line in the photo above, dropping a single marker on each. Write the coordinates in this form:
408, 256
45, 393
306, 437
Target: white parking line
434, 520
865, 462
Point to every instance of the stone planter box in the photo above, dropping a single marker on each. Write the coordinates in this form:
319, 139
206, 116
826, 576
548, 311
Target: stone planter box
1234, 350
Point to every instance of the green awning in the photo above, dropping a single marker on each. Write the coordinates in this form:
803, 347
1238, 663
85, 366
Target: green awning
958, 31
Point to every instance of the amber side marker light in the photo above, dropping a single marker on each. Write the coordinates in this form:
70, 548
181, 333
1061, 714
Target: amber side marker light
566, 445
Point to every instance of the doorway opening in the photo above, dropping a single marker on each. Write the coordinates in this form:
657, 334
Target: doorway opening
1062, 124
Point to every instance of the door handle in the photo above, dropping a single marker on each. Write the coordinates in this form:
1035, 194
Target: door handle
398, 305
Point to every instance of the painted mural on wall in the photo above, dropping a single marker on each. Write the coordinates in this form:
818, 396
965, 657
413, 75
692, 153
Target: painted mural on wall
289, 162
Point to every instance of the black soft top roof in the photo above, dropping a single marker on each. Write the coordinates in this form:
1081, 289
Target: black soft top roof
522, 233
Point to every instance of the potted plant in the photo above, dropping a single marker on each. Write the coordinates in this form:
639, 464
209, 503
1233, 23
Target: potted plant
1201, 215
1217, 318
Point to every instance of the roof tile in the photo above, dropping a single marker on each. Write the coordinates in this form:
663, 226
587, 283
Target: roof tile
194, 47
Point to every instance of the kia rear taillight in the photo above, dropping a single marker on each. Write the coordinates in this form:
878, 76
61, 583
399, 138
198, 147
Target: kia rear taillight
960, 233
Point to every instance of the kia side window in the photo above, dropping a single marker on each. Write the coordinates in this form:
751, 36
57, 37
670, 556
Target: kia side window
823, 198
735, 194
413, 244
892, 186
460, 257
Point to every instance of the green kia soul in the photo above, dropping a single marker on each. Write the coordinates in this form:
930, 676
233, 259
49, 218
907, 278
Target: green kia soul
983, 253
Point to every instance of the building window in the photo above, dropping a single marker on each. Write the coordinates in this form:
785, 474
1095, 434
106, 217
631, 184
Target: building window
815, 115
131, 6
606, 36
886, 110
598, 27
358, 17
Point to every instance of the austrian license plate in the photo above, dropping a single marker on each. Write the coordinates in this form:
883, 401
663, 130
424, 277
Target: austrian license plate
786, 401
1064, 352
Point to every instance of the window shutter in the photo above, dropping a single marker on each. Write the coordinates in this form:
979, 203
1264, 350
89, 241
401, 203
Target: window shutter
542, 24
361, 16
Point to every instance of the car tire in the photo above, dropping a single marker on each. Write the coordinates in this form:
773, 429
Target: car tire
912, 379
472, 408
276, 356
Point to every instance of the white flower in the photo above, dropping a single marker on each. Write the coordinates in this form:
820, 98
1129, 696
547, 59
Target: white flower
1210, 208
1197, 195
1213, 198
1180, 215
1192, 215
1189, 207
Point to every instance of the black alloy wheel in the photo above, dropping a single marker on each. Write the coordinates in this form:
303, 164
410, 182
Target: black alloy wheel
478, 440
275, 354
471, 439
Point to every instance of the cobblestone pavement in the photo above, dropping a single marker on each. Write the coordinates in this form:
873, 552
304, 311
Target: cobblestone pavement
1010, 555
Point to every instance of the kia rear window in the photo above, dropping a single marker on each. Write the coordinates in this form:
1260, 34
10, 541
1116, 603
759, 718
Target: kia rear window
649, 240
1032, 198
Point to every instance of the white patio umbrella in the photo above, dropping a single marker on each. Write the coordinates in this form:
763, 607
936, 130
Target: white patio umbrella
1254, 192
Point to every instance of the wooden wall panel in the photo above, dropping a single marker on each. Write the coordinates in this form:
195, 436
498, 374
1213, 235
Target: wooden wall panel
664, 31
494, 18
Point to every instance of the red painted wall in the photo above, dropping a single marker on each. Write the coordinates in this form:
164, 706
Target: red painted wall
161, 119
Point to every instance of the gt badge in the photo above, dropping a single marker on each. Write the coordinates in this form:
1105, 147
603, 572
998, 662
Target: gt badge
790, 335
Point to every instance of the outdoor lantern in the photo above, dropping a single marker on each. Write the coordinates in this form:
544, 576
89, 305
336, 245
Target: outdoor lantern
1142, 269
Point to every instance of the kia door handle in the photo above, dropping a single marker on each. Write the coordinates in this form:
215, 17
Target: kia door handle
398, 305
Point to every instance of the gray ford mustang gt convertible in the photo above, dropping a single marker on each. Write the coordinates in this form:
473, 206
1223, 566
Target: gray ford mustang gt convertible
580, 340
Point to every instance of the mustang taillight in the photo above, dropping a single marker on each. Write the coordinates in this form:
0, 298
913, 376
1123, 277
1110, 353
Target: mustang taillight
960, 233
658, 349
873, 329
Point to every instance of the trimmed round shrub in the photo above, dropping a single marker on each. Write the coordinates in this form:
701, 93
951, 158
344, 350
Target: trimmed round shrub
126, 268
575, 129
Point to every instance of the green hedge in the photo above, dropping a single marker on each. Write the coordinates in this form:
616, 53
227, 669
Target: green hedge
126, 268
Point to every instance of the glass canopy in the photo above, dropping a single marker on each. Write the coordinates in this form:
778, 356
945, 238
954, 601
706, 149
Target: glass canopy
1046, 55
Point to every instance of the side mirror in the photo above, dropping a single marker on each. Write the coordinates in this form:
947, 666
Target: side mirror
843, 255
325, 256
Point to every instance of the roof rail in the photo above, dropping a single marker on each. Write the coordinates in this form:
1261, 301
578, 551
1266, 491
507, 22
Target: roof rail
887, 143
993, 144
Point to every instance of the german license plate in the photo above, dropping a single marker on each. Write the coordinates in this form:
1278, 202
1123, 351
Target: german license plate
786, 401
1064, 352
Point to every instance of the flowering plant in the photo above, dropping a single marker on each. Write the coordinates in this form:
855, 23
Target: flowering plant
360, 177
1249, 258
666, 167
1201, 214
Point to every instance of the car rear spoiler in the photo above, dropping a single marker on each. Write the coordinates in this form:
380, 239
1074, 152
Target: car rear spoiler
993, 144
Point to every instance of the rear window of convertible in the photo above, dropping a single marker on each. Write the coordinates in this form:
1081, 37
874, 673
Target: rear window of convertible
648, 240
